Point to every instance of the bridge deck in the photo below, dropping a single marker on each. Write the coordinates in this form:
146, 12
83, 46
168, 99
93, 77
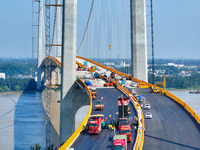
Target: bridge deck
104, 139
171, 127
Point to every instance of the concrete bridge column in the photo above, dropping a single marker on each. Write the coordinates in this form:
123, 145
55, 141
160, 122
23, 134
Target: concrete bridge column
138, 39
68, 93
40, 44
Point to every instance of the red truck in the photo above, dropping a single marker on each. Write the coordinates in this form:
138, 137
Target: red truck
124, 124
126, 130
94, 124
123, 107
119, 142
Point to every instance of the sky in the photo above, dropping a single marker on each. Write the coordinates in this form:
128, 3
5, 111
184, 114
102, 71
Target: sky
176, 28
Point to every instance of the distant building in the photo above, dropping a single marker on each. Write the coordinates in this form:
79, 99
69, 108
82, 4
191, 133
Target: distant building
123, 64
109, 63
2, 75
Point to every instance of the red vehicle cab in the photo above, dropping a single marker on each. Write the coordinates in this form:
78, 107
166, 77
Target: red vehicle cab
94, 124
126, 130
119, 142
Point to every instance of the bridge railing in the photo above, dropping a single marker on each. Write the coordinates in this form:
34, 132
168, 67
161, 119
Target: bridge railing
55, 60
74, 136
188, 108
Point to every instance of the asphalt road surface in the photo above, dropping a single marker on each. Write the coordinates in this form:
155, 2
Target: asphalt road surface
171, 127
103, 141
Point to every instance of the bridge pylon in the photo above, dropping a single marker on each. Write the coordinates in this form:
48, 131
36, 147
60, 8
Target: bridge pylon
72, 96
138, 40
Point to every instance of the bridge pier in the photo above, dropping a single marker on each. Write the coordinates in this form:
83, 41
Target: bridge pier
40, 44
138, 40
70, 104
71, 97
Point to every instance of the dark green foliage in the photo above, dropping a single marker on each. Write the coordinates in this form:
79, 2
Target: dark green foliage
179, 82
15, 67
36, 147
14, 84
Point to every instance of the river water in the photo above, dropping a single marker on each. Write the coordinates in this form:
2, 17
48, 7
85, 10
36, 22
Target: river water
193, 100
22, 121
22, 118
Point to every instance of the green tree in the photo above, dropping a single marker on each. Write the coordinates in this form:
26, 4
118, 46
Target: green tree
6, 89
36, 147
1, 89
16, 88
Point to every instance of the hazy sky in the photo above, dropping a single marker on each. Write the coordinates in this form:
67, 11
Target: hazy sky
176, 27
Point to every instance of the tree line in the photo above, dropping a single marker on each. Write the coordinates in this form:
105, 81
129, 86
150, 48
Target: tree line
17, 84
179, 82
13, 67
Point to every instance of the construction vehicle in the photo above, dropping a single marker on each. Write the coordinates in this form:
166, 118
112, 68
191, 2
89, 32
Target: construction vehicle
112, 75
88, 83
119, 142
94, 93
108, 84
123, 107
96, 75
94, 124
94, 68
125, 129
124, 124
99, 105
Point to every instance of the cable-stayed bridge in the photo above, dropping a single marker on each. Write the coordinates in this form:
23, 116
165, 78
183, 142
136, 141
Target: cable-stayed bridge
116, 30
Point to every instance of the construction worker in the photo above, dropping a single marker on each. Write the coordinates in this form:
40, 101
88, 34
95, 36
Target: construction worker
103, 124
135, 129
136, 119
110, 120
113, 122
84, 129
163, 92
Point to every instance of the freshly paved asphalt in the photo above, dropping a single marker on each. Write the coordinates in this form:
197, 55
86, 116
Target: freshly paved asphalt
171, 128
103, 140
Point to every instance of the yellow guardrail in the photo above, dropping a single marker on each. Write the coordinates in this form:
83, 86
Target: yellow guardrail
73, 137
188, 108
110, 69
55, 60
